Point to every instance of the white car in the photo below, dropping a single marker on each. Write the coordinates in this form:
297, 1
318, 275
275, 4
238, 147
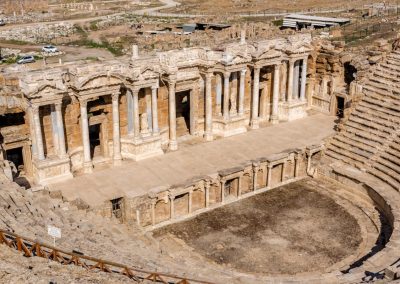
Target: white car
49, 49
26, 59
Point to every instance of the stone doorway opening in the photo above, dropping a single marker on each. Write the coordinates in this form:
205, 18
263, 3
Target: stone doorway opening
15, 155
95, 141
340, 103
183, 114
231, 188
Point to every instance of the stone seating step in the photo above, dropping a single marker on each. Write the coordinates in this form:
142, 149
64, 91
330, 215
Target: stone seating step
391, 165
391, 157
360, 139
353, 143
370, 126
389, 97
388, 66
357, 129
385, 178
379, 105
386, 69
343, 150
375, 119
385, 75
384, 85
356, 153
393, 56
378, 111
388, 171
338, 155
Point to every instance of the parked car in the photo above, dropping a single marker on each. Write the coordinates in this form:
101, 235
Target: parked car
2, 22
26, 59
49, 49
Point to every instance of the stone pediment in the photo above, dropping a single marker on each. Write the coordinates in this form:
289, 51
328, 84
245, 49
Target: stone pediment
48, 90
100, 80
272, 53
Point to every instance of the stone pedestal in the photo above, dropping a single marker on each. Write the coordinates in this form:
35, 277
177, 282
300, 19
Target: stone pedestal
51, 170
293, 110
235, 125
142, 148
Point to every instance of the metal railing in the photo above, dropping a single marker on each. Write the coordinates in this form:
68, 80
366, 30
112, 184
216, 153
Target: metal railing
34, 248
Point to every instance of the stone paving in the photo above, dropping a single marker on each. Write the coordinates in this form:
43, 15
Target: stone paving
136, 178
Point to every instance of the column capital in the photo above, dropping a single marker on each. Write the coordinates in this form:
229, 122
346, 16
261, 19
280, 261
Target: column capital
277, 65
155, 87
83, 102
257, 68
209, 75
135, 90
292, 61
58, 105
35, 108
115, 96
227, 74
243, 72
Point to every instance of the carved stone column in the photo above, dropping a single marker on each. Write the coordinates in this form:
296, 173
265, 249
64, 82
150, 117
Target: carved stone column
222, 191
154, 110
226, 95
241, 91
136, 120
54, 128
172, 206
208, 134
207, 192
255, 105
303, 80
269, 176
275, 96
255, 174
173, 144
190, 201
38, 133
290, 81
129, 102
60, 126
87, 160
296, 80
116, 131
218, 90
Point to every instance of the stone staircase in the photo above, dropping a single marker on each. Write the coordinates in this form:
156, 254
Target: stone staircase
372, 124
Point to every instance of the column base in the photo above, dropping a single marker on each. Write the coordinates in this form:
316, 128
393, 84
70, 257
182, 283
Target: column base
254, 124
274, 120
208, 136
88, 167
117, 161
173, 145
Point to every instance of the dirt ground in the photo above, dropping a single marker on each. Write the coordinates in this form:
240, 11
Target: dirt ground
288, 230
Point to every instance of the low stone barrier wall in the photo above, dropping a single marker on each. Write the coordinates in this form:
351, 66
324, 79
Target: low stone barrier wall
169, 204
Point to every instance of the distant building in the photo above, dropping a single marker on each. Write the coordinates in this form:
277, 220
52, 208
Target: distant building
298, 21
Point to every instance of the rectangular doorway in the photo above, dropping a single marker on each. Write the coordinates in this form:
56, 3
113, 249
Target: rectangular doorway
231, 188
183, 114
16, 156
340, 107
95, 141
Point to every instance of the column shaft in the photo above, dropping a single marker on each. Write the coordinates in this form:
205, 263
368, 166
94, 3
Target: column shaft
296, 80
87, 162
218, 90
136, 122
116, 131
154, 110
241, 91
38, 133
208, 123
173, 145
303, 80
290, 81
275, 96
226, 95
61, 134
269, 176
256, 94
129, 102
54, 128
